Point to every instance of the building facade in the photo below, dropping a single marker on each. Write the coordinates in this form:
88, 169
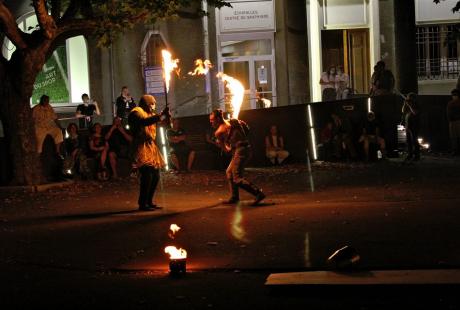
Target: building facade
278, 49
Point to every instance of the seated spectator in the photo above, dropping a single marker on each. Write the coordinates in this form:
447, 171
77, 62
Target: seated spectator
326, 139
179, 148
371, 135
75, 148
46, 123
118, 139
86, 110
99, 149
274, 146
342, 133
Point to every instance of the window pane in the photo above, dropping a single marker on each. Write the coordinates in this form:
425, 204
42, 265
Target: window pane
246, 48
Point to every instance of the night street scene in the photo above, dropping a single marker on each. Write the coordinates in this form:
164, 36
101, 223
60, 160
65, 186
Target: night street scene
270, 154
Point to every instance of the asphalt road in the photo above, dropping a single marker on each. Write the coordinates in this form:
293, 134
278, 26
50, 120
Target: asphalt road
87, 246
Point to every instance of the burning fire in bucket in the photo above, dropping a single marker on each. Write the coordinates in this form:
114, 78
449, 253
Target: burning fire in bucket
177, 256
236, 90
202, 67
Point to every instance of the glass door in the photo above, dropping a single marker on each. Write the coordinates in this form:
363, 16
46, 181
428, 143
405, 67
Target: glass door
256, 75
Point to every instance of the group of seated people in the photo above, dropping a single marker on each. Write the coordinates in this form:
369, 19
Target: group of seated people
99, 145
337, 141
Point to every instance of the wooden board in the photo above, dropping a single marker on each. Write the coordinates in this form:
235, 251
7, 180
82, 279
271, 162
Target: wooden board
373, 277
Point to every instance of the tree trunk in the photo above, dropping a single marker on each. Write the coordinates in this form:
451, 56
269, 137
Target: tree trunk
17, 79
20, 132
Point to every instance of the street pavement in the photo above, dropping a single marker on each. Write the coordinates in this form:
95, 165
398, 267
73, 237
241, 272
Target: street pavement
87, 245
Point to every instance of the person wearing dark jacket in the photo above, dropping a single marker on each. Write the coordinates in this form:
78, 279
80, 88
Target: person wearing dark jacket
125, 103
411, 114
453, 116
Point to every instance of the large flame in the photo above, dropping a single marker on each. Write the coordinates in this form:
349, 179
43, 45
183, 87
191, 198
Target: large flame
236, 90
175, 253
202, 67
169, 65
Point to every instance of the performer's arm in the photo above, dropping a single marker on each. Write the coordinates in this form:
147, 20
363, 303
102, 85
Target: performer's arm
136, 119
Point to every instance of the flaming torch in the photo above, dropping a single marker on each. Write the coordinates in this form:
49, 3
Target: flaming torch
177, 257
236, 90
202, 67
169, 65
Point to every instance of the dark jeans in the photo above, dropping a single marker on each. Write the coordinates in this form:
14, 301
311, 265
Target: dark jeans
413, 148
149, 181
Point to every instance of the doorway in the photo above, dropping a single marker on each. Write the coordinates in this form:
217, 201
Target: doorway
348, 48
251, 61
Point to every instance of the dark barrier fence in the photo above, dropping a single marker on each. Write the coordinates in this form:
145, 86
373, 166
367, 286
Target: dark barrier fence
293, 123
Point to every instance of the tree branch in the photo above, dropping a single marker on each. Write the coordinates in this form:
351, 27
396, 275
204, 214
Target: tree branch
45, 21
10, 28
72, 10
87, 9
76, 26
56, 9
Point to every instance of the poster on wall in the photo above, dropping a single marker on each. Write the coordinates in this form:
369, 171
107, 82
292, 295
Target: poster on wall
53, 80
154, 84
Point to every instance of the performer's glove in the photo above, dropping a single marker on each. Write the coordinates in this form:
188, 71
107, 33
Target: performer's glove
165, 112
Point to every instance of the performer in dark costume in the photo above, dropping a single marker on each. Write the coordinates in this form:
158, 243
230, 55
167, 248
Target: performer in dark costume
146, 155
232, 137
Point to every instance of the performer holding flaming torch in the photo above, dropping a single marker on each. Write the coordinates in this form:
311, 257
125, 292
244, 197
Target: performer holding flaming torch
146, 155
232, 137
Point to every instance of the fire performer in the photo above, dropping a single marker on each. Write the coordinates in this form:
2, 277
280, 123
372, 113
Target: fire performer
146, 155
232, 137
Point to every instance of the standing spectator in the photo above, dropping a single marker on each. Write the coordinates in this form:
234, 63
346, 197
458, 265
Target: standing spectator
383, 81
118, 139
453, 116
146, 155
327, 82
99, 148
342, 84
85, 111
274, 146
371, 135
125, 103
46, 123
179, 147
75, 148
411, 114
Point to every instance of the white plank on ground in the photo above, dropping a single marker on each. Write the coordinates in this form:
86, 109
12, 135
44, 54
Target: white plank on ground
373, 277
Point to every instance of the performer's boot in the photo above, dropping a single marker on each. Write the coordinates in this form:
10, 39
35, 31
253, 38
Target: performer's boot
235, 193
254, 190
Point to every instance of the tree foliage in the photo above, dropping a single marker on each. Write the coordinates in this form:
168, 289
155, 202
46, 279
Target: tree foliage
455, 9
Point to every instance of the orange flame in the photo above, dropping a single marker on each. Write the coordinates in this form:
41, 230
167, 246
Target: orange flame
236, 90
172, 230
169, 65
175, 253
202, 67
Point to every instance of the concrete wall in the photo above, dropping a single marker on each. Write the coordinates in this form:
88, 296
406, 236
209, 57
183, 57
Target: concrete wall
299, 91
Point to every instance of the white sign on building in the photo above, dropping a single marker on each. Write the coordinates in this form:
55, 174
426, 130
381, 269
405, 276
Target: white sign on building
154, 84
247, 16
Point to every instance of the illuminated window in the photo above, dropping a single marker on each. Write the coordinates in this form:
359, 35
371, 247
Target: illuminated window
65, 76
